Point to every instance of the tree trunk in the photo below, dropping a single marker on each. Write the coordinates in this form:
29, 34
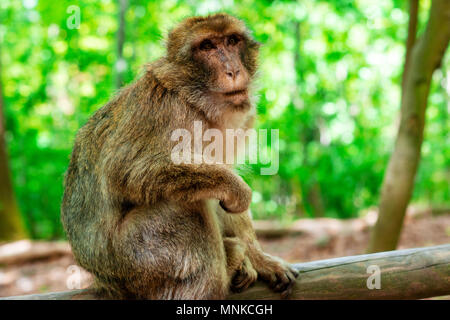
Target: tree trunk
121, 64
11, 227
426, 57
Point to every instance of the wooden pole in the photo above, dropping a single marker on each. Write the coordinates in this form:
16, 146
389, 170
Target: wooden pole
404, 274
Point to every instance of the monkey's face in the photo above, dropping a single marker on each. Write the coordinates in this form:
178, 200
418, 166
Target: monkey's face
220, 57
213, 60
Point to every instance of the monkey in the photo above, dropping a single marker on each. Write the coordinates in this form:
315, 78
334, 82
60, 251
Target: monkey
149, 228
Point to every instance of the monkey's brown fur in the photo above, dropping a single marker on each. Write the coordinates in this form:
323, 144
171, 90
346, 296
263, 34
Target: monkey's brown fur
151, 229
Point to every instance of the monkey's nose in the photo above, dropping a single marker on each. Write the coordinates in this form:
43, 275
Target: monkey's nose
232, 74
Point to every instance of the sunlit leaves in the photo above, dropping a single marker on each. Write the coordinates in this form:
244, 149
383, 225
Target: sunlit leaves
333, 92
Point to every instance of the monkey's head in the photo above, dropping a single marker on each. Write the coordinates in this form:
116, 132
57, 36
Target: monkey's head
212, 60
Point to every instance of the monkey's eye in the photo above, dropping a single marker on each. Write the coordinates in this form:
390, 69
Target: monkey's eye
206, 45
233, 40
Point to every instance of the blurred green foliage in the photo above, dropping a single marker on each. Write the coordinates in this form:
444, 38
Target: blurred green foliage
329, 81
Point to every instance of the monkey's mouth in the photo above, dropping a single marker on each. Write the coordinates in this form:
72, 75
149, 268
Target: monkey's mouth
235, 93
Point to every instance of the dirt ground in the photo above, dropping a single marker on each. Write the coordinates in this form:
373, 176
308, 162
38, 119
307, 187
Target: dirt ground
420, 232
59, 273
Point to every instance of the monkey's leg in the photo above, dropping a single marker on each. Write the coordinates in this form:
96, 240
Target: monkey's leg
239, 268
278, 274
169, 251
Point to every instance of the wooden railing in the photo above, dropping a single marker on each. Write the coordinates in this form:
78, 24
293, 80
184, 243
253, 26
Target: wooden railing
401, 274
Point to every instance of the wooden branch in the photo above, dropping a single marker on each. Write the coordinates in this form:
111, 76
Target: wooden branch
404, 274
26, 250
412, 35
317, 227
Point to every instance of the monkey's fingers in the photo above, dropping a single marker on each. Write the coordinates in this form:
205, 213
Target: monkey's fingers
294, 271
238, 199
244, 278
240, 283
280, 278
235, 207
285, 283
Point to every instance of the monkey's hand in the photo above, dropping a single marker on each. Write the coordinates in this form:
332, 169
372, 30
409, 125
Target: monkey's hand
240, 270
277, 273
238, 198
188, 183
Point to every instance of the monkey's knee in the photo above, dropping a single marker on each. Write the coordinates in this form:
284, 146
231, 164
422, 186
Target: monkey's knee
211, 282
207, 287
235, 252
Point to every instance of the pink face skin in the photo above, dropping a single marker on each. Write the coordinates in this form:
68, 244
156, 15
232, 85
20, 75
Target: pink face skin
221, 55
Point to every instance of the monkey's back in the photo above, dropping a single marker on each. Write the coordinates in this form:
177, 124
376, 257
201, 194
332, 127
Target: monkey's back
133, 127
84, 201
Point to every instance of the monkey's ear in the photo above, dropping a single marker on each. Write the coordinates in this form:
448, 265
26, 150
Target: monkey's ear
257, 44
253, 44
178, 45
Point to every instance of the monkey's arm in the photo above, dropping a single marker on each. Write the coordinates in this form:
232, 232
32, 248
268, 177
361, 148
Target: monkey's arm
188, 183
148, 180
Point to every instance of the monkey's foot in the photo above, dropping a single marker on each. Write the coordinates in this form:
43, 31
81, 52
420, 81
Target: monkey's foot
278, 274
239, 268
244, 277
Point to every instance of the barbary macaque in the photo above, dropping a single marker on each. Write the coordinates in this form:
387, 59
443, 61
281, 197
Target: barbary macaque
149, 228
